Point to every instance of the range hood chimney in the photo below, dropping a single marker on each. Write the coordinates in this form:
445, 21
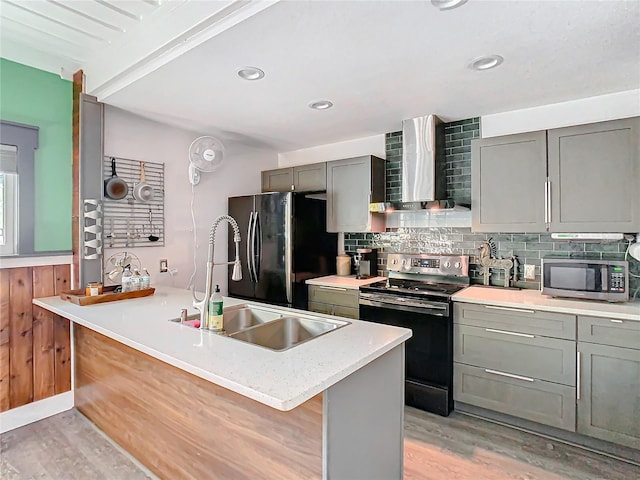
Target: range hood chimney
423, 164
424, 181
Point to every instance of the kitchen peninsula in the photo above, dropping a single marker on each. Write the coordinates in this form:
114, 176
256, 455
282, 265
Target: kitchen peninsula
191, 404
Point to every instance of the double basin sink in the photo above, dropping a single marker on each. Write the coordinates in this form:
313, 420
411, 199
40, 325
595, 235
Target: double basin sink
271, 328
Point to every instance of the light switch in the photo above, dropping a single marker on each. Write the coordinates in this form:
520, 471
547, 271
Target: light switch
164, 265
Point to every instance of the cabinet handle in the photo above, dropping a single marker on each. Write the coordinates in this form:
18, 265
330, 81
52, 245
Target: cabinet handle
510, 309
546, 201
340, 289
578, 376
506, 332
510, 375
617, 321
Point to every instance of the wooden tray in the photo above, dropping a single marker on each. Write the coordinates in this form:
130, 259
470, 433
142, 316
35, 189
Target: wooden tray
79, 298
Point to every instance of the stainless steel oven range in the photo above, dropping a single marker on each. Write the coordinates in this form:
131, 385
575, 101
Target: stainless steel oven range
417, 295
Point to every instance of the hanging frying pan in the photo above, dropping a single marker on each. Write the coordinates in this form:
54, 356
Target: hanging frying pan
115, 187
143, 191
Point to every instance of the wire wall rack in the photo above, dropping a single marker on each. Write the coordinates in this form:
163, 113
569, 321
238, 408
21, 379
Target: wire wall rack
131, 222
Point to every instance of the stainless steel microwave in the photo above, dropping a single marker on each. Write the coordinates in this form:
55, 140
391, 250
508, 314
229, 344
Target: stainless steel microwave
586, 278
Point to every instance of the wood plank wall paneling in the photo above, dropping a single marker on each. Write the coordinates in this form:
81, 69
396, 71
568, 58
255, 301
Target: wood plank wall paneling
62, 334
5, 315
43, 339
181, 426
35, 345
21, 336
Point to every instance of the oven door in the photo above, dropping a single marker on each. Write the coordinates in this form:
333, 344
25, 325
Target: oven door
428, 353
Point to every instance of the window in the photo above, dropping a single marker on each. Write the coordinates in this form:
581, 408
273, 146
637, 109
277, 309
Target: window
17, 146
8, 200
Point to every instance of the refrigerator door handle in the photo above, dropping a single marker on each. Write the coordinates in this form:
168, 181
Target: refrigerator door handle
257, 240
288, 259
249, 247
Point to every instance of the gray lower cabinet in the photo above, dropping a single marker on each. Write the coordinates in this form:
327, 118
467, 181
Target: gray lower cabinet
609, 393
352, 184
516, 361
528, 356
575, 179
609, 331
609, 379
524, 320
301, 178
532, 399
342, 302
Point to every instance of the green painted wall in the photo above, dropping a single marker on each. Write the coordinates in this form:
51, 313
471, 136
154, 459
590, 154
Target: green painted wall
35, 97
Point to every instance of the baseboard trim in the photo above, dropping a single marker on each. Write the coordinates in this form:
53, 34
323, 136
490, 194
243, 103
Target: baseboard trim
32, 412
615, 451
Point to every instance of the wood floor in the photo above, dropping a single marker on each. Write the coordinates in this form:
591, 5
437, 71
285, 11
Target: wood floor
68, 447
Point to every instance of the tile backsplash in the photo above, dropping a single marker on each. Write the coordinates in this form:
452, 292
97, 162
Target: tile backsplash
528, 247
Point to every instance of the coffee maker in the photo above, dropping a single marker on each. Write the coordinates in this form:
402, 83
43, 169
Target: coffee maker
366, 262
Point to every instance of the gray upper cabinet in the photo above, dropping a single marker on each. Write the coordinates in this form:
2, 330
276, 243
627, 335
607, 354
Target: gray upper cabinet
310, 177
301, 178
594, 174
575, 179
352, 184
279, 180
508, 177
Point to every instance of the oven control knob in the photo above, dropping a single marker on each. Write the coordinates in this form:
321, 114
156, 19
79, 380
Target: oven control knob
394, 261
447, 264
457, 265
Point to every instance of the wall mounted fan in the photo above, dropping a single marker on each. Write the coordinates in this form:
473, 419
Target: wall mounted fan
117, 262
205, 155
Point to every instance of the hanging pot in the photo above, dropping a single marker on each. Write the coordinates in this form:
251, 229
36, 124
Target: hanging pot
115, 187
143, 191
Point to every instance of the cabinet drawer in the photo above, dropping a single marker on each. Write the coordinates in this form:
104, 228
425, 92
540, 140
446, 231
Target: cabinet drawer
347, 312
321, 308
538, 401
550, 359
334, 295
524, 320
609, 331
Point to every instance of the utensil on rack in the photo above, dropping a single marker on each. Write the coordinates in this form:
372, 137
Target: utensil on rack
142, 190
152, 237
115, 188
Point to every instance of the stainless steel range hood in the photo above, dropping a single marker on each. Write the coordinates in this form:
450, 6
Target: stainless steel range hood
423, 167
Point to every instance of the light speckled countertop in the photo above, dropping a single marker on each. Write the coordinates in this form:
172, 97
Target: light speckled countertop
282, 380
535, 300
349, 281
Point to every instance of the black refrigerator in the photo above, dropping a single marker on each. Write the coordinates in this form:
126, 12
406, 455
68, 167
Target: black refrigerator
284, 242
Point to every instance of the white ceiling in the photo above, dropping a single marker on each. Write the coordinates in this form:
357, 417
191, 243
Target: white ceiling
379, 62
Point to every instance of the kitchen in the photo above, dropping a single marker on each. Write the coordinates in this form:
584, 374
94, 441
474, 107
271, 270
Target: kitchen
130, 136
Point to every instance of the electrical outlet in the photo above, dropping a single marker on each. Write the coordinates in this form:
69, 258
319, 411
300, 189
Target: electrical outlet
164, 265
529, 272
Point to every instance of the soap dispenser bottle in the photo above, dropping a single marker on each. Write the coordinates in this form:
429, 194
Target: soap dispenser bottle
214, 312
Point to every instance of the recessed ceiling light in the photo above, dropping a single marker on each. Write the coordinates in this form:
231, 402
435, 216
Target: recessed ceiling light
250, 73
321, 105
486, 62
448, 4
